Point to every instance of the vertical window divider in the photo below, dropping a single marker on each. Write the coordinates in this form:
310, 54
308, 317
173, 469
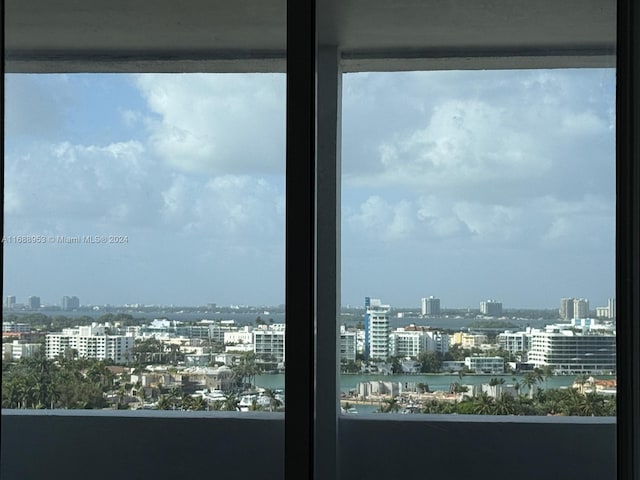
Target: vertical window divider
628, 239
300, 239
327, 264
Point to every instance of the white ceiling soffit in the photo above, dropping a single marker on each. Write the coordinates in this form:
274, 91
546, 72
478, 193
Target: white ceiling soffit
250, 35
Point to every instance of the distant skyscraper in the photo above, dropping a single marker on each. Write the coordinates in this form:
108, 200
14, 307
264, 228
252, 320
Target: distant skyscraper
566, 308
612, 307
580, 308
11, 301
431, 306
491, 307
70, 303
33, 303
376, 327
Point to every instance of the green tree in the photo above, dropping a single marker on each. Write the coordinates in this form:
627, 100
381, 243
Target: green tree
390, 405
431, 362
483, 404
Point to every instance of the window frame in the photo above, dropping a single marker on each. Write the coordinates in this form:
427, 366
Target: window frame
313, 69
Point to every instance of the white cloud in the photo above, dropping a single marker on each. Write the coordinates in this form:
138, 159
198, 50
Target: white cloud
217, 124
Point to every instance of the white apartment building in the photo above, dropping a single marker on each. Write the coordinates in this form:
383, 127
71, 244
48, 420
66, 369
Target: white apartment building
411, 341
377, 329
242, 336
609, 311
572, 353
14, 351
514, 342
485, 364
491, 307
360, 341
268, 340
580, 308
90, 342
430, 305
348, 341
406, 343
436, 342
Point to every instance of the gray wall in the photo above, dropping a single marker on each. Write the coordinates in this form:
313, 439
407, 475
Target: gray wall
178, 445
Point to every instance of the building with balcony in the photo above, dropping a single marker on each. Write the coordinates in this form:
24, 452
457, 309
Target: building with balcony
90, 342
268, 342
348, 341
377, 329
489, 365
571, 352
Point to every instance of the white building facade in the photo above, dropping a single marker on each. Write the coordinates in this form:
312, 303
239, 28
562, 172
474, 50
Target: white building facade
569, 352
348, 344
489, 365
268, 341
377, 329
14, 351
90, 342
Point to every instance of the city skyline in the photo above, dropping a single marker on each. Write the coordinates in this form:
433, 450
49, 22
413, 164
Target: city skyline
11, 301
469, 185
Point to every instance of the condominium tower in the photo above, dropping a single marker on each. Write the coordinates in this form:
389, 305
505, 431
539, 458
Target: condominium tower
376, 327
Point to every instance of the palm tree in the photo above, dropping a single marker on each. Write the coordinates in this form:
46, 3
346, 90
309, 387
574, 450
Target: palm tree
255, 405
483, 404
530, 379
231, 403
547, 372
390, 405
591, 405
273, 401
504, 405
581, 380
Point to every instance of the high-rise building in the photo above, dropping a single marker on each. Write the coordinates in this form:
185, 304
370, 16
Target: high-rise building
611, 303
431, 306
491, 307
580, 308
348, 344
376, 324
70, 303
11, 301
566, 308
33, 303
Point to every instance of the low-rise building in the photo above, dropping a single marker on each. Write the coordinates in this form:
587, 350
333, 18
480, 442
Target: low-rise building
490, 365
14, 351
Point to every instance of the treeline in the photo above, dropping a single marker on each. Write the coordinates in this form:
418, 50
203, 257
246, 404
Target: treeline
40, 321
37, 382
552, 402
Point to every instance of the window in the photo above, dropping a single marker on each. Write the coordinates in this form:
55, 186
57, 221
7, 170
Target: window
158, 202
469, 185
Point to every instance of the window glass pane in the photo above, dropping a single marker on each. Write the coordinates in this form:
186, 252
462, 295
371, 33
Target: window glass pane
478, 235
144, 241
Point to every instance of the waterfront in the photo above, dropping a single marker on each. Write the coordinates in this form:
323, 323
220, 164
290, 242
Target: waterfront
435, 381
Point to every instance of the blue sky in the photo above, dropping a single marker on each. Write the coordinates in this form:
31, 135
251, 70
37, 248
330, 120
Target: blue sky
463, 185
